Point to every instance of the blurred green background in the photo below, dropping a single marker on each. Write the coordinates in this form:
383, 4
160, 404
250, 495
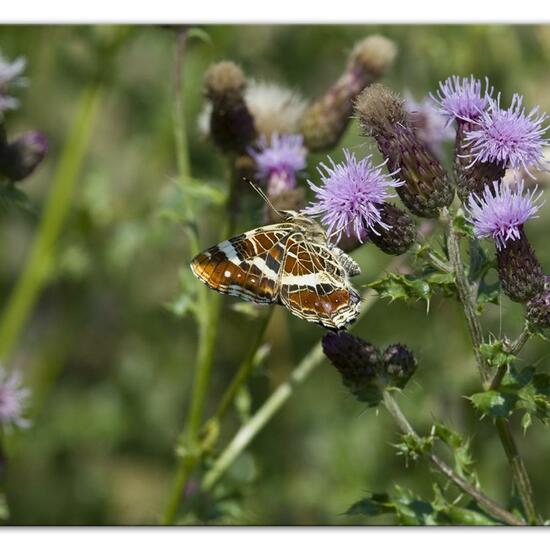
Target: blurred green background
110, 366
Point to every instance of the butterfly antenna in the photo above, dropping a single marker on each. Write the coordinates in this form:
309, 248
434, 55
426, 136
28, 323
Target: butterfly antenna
265, 198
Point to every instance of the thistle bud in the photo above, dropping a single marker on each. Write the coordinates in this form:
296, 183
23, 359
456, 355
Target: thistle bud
325, 121
359, 364
20, 158
520, 272
383, 116
538, 308
401, 235
500, 214
231, 124
399, 365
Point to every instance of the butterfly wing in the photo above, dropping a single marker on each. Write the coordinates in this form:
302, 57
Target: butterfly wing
247, 265
314, 285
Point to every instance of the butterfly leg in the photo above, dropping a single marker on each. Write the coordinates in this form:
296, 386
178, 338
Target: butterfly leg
349, 264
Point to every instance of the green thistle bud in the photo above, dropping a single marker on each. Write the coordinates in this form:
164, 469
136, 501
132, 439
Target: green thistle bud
359, 364
538, 308
401, 235
520, 272
231, 124
471, 179
326, 120
399, 365
383, 116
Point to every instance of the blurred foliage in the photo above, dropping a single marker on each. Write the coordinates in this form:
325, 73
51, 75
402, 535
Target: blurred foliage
110, 365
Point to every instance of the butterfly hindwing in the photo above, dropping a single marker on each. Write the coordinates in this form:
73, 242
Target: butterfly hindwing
314, 285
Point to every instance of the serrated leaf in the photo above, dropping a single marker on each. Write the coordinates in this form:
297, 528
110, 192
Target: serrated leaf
494, 403
373, 505
496, 354
412, 287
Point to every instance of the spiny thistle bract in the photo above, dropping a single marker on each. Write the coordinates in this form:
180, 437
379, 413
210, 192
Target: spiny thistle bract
538, 308
382, 115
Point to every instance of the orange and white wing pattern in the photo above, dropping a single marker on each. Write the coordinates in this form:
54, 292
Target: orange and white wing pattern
247, 265
314, 283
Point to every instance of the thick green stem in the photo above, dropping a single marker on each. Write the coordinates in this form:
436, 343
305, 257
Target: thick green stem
210, 429
519, 472
487, 503
521, 477
40, 258
465, 294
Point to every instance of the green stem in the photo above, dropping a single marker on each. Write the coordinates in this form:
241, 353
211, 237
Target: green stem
465, 295
483, 500
249, 430
521, 477
40, 258
519, 472
210, 428
277, 399
244, 370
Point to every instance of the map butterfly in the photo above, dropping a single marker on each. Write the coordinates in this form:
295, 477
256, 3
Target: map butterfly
291, 263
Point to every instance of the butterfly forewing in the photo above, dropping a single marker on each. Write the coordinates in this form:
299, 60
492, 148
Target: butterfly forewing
247, 265
289, 263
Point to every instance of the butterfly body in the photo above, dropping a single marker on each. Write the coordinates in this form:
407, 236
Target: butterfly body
289, 263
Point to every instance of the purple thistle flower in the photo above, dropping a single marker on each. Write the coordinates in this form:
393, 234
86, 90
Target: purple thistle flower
510, 137
462, 98
501, 212
13, 399
277, 162
352, 195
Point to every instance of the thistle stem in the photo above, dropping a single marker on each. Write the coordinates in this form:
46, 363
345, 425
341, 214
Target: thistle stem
244, 370
517, 345
487, 503
466, 297
519, 472
39, 262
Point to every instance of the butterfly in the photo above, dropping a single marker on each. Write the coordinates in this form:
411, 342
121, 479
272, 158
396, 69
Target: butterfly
291, 263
